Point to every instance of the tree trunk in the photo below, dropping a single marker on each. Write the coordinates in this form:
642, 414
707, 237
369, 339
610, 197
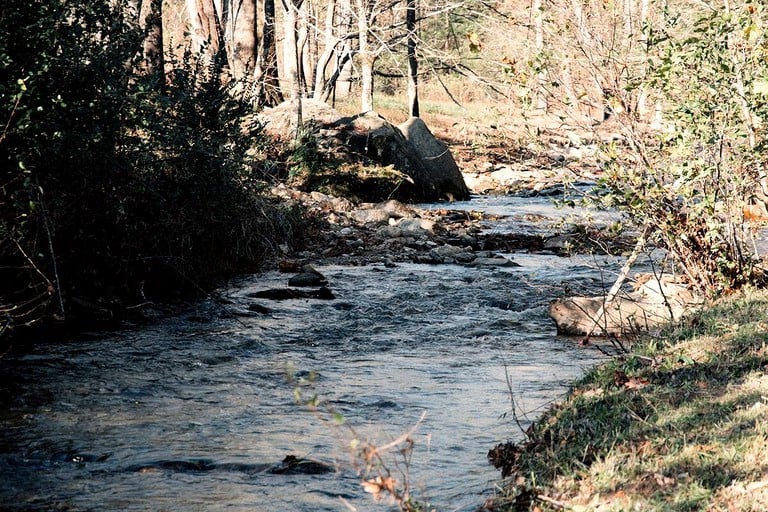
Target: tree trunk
366, 56
291, 61
151, 22
302, 45
642, 93
339, 83
329, 48
538, 8
413, 63
241, 38
207, 34
266, 82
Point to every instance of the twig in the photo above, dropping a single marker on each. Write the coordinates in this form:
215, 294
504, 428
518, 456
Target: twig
611, 295
512, 402
404, 437
54, 264
551, 501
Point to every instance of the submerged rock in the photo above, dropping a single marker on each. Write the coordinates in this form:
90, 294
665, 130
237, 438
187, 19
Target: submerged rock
293, 465
289, 293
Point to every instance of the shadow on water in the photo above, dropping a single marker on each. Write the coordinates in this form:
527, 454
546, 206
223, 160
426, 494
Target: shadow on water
197, 415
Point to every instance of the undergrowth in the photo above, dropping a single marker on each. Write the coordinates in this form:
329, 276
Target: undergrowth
679, 423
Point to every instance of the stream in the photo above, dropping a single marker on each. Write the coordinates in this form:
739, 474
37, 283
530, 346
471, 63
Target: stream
196, 412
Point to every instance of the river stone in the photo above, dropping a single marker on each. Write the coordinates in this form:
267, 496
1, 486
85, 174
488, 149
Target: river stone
507, 175
559, 243
396, 209
416, 226
372, 216
448, 251
479, 183
306, 279
498, 261
654, 303
429, 258
292, 465
389, 232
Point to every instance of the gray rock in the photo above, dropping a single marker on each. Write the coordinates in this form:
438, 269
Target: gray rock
416, 226
396, 209
448, 251
498, 261
306, 279
372, 216
389, 232
308, 276
653, 304
442, 174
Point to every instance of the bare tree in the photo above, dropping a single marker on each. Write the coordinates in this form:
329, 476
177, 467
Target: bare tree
413, 63
151, 21
266, 83
291, 60
238, 19
206, 32
366, 54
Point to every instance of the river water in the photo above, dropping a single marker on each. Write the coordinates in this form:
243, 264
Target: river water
192, 413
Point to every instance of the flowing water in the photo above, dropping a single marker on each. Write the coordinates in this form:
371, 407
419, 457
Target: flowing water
195, 412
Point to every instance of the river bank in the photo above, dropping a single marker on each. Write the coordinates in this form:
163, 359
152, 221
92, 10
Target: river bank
677, 423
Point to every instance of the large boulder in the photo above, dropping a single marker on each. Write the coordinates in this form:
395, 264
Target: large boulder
443, 176
653, 303
414, 152
410, 164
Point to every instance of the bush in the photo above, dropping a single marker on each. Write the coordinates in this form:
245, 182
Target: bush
692, 182
117, 189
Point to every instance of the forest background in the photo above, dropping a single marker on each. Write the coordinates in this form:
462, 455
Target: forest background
132, 171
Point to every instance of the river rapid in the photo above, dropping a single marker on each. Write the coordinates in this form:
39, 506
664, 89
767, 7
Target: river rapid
196, 412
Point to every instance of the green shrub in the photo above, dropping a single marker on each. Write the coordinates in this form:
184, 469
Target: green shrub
692, 181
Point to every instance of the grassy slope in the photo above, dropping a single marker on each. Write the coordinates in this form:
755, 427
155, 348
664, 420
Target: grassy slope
681, 423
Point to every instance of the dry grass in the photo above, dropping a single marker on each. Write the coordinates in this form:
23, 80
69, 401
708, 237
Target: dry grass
684, 429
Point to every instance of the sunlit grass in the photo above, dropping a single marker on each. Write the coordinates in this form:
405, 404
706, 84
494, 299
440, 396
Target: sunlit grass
687, 431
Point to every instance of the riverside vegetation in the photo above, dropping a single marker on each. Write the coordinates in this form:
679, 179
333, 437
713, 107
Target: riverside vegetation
117, 190
678, 423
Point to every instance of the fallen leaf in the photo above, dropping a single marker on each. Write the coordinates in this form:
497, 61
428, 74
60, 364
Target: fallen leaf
636, 383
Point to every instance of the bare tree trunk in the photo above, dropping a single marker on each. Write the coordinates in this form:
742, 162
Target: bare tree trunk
538, 8
302, 45
642, 93
413, 63
366, 56
267, 90
628, 24
151, 21
207, 33
339, 84
328, 51
291, 61
239, 19
570, 93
